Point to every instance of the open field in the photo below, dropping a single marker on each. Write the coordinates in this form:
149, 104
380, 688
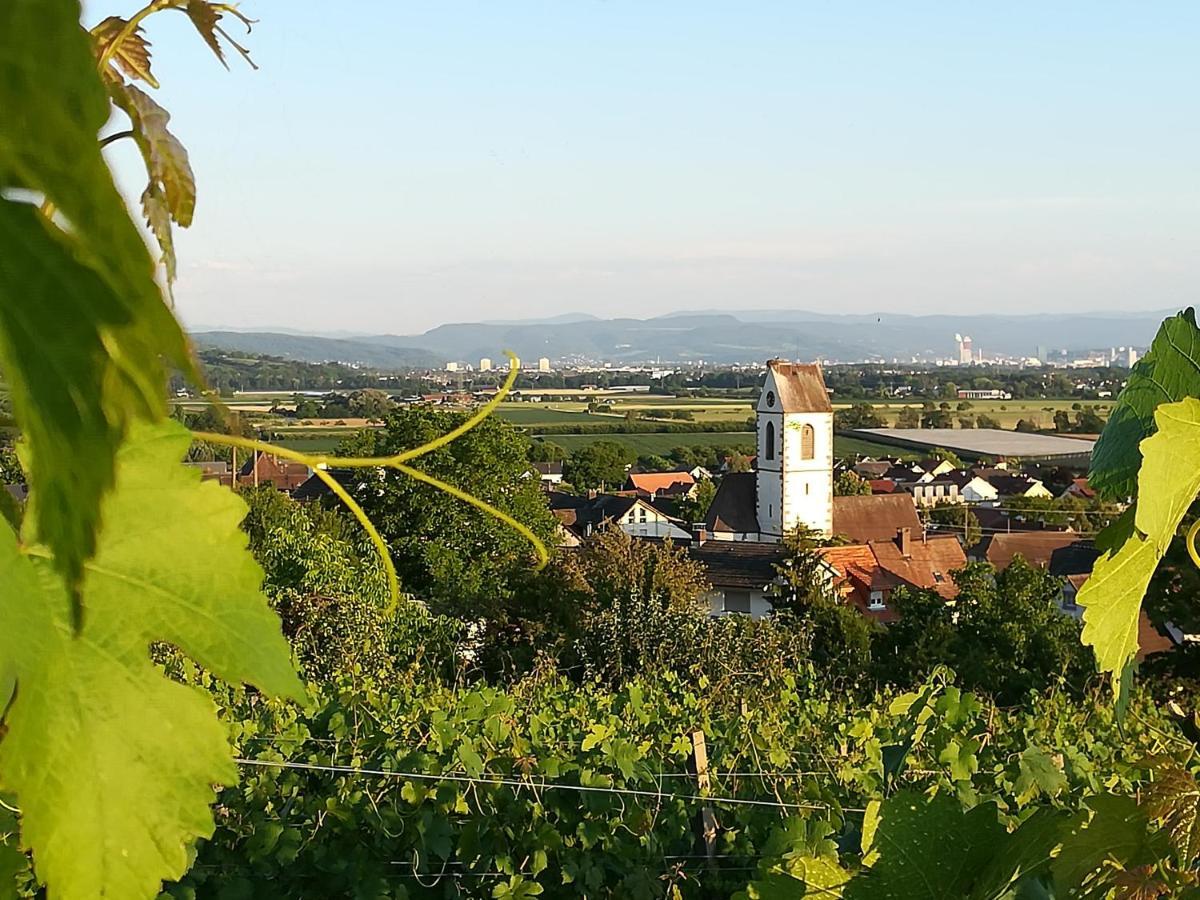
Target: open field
1006, 412
525, 414
657, 443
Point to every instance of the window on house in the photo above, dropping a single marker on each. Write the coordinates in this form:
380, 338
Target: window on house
806, 488
769, 440
876, 600
737, 602
939, 577
808, 440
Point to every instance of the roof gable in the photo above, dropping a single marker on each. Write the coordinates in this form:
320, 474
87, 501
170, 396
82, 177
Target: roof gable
794, 388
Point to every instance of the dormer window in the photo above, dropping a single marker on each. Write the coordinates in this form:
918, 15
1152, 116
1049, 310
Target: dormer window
876, 601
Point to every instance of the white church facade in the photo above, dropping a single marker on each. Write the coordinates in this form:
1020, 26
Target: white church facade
792, 484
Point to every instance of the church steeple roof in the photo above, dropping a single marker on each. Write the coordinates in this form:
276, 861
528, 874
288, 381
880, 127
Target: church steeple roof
800, 387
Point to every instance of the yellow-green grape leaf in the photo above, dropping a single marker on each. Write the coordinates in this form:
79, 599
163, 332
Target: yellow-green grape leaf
132, 55
112, 763
54, 105
1170, 476
166, 158
1112, 599
158, 218
1167, 485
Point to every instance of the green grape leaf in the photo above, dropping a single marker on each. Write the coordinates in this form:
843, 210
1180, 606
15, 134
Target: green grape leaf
927, 848
1169, 372
13, 863
1116, 830
112, 763
805, 876
1039, 774
70, 295
1023, 856
1112, 599
1167, 485
166, 158
132, 55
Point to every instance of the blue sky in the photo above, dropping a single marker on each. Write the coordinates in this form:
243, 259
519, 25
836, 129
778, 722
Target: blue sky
395, 165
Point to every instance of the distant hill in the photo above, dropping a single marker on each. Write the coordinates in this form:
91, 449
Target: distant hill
718, 338
308, 348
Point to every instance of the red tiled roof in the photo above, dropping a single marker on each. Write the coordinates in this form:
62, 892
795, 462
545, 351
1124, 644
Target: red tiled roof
652, 482
882, 486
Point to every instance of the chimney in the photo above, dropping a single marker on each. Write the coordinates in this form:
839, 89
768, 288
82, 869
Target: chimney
699, 534
904, 541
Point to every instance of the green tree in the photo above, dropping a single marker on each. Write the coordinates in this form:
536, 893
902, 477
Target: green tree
1062, 421
695, 508
849, 484
370, 404
908, 417
922, 638
1025, 426
459, 559
600, 464
957, 518
1013, 636
542, 450
986, 421
860, 415
804, 594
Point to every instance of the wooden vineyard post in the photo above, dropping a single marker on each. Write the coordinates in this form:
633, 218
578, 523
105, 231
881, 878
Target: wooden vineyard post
706, 819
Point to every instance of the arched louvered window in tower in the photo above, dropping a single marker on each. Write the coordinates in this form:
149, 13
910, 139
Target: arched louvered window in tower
807, 442
769, 441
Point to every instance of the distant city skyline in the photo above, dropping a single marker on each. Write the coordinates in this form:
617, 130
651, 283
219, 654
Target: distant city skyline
400, 167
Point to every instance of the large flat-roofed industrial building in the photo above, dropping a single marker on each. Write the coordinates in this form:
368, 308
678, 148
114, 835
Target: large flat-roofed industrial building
979, 443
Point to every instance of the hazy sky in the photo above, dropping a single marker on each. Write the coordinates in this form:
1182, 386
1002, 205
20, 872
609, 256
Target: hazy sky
395, 165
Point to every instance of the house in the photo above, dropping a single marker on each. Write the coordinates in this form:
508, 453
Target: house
1080, 489
867, 574
315, 488
549, 473
972, 488
212, 470
934, 492
266, 468
883, 486
874, 518
742, 576
932, 468
1008, 484
872, 468
583, 515
652, 485
1063, 549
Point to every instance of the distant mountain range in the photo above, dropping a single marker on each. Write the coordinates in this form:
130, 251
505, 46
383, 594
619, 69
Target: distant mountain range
719, 338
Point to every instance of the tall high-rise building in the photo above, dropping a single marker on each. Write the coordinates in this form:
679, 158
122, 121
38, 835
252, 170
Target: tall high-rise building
485, 365
543, 365
451, 367
965, 355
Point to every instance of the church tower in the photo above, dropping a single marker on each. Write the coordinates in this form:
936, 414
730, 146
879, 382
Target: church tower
795, 451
